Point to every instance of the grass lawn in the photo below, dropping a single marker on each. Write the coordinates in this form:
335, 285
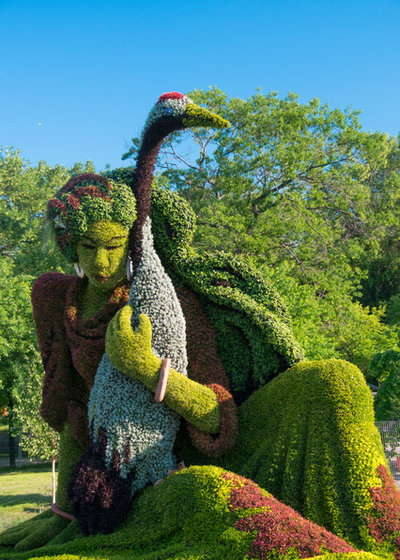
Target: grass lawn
24, 492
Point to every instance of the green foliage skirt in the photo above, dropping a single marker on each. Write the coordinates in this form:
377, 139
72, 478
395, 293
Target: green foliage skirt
307, 439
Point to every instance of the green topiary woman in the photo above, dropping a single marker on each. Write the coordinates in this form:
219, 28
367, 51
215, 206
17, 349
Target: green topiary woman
306, 435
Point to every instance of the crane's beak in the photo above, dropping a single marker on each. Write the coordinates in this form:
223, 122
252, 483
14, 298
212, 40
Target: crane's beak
198, 116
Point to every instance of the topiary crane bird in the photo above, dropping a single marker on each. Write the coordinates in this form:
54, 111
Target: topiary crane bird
132, 435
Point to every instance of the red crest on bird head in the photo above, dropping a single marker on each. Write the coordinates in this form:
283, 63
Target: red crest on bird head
170, 95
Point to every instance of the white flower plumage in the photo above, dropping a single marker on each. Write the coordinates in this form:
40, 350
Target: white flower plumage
142, 431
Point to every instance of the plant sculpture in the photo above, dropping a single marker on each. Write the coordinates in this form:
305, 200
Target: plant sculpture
311, 476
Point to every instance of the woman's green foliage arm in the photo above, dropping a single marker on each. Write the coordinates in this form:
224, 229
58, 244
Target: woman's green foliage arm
131, 353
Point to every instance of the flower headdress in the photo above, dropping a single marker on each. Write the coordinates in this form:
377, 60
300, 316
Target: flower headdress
85, 199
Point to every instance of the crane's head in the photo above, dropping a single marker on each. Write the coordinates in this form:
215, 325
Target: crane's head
175, 111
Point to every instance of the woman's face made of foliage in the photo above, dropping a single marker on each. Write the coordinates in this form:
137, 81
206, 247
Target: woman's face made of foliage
102, 254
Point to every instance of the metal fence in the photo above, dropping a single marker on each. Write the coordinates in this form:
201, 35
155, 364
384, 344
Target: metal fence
390, 436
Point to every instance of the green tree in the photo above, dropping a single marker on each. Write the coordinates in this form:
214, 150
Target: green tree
382, 365
24, 191
333, 325
380, 235
35, 436
392, 314
387, 400
19, 357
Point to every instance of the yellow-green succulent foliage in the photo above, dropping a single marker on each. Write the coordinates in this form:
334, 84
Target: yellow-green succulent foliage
309, 437
184, 555
102, 251
347, 556
196, 556
198, 116
188, 516
69, 455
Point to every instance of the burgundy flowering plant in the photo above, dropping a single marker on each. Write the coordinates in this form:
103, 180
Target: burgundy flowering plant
85, 199
276, 526
384, 519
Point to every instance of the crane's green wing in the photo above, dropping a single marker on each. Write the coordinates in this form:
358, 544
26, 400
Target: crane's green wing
253, 327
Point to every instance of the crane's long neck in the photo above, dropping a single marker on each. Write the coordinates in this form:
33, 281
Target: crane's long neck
143, 180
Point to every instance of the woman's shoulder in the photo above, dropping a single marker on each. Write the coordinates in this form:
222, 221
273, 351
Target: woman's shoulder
51, 286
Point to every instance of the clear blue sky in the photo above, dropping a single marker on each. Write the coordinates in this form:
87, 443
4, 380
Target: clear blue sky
78, 77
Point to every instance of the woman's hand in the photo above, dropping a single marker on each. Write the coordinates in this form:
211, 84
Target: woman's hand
130, 352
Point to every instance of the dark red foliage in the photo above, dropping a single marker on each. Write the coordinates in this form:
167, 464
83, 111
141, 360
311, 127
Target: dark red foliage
82, 178
215, 446
71, 348
92, 190
57, 204
73, 201
170, 95
76, 194
278, 527
384, 520
100, 497
252, 497
205, 367
143, 179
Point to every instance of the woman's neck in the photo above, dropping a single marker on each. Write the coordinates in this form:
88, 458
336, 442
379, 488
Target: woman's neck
93, 300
